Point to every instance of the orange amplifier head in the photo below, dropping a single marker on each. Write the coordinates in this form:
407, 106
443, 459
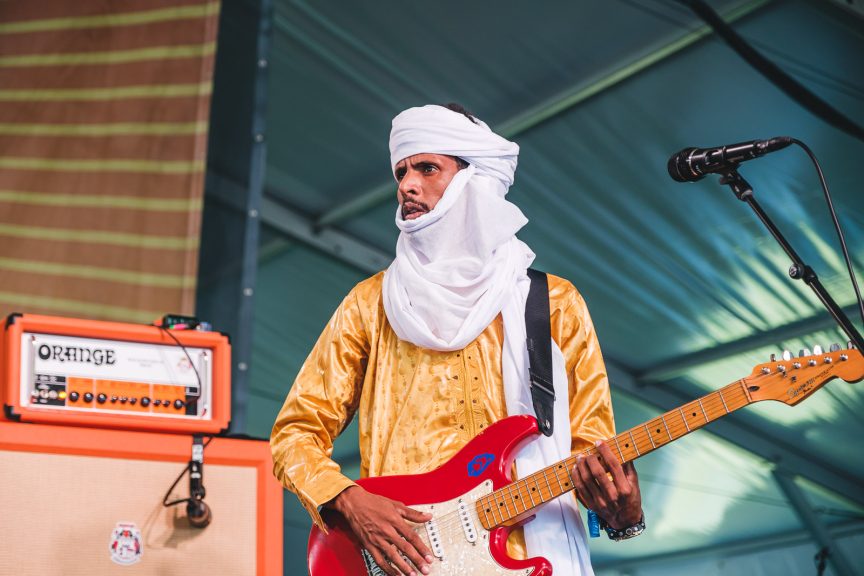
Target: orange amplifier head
94, 373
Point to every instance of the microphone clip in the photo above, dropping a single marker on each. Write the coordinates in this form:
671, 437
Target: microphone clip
197, 511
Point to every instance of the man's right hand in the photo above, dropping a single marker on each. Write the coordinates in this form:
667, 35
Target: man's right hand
382, 526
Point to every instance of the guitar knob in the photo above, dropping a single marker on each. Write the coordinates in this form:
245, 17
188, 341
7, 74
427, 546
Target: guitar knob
773, 358
834, 347
803, 352
787, 355
817, 350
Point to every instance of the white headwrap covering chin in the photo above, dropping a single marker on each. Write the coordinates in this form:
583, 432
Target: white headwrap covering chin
460, 265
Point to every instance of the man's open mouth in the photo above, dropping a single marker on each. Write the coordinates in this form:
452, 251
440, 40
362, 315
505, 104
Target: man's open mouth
411, 210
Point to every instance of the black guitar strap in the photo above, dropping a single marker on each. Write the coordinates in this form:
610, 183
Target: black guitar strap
539, 341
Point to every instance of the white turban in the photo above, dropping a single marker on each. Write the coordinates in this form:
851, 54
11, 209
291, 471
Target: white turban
438, 130
460, 265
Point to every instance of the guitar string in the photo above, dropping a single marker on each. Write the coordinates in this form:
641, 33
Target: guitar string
711, 403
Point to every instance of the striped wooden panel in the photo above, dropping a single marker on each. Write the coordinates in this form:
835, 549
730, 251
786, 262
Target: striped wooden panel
103, 139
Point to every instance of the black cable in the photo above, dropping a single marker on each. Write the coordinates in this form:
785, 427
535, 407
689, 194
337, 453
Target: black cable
773, 73
836, 223
194, 397
185, 471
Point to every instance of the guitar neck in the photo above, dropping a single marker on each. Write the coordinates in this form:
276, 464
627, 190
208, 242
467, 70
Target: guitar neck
517, 500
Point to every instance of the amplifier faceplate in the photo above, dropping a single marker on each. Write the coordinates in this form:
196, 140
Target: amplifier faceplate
117, 375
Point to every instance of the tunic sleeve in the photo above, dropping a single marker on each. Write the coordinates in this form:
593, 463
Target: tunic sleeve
591, 416
319, 406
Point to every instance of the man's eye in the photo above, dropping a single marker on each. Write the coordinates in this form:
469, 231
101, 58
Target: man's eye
429, 169
400, 174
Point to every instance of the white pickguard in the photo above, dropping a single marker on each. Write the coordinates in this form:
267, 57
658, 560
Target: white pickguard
460, 556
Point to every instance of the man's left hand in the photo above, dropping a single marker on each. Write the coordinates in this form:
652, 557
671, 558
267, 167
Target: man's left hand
607, 488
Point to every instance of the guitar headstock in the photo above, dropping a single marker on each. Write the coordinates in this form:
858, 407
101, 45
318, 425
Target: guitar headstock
791, 380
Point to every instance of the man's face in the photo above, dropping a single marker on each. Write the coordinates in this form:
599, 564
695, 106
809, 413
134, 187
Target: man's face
422, 180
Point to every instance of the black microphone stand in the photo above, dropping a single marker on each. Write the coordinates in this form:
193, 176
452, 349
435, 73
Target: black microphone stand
799, 270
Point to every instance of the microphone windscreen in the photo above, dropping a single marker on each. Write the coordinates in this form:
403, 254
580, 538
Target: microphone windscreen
679, 169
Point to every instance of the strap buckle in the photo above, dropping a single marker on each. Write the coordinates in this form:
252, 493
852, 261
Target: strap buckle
540, 383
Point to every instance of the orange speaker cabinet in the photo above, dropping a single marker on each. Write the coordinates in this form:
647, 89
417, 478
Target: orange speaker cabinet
57, 370
79, 501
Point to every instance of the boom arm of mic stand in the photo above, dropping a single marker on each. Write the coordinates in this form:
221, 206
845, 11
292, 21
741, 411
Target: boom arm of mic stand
799, 270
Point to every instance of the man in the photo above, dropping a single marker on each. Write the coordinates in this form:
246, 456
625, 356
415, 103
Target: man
432, 351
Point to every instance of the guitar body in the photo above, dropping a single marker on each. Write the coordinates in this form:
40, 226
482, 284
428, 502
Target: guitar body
480, 467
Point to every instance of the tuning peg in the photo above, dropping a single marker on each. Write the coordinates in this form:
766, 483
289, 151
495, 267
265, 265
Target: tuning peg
803, 352
817, 349
787, 355
834, 347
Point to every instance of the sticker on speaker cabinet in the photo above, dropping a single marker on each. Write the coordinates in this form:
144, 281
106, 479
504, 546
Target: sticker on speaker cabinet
126, 544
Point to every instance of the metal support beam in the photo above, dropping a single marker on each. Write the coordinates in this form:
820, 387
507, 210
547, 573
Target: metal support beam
338, 244
292, 224
677, 366
237, 145
842, 566
559, 103
753, 440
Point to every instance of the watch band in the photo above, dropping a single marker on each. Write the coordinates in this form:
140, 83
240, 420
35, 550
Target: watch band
624, 533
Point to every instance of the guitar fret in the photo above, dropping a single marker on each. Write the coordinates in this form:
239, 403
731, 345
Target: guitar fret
723, 401
514, 499
635, 447
483, 508
505, 498
662, 419
539, 489
528, 489
551, 492
518, 498
495, 508
650, 439
557, 479
490, 505
618, 446
703, 411
686, 425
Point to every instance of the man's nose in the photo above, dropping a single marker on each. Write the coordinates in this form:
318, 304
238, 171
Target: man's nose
409, 185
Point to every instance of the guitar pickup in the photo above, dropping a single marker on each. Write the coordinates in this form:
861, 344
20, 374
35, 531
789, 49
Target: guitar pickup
434, 539
467, 522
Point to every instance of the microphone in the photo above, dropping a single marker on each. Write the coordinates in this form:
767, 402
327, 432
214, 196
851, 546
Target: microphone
692, 164
197, 510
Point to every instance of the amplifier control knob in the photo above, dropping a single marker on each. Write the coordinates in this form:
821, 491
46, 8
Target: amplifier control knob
88, 397
157, 402
73, 396
101, 398
114, 399
133, 400
145, 401
123, 399
178, 404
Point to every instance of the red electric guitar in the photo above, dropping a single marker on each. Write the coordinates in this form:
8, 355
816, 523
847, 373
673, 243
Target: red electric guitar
475, 504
